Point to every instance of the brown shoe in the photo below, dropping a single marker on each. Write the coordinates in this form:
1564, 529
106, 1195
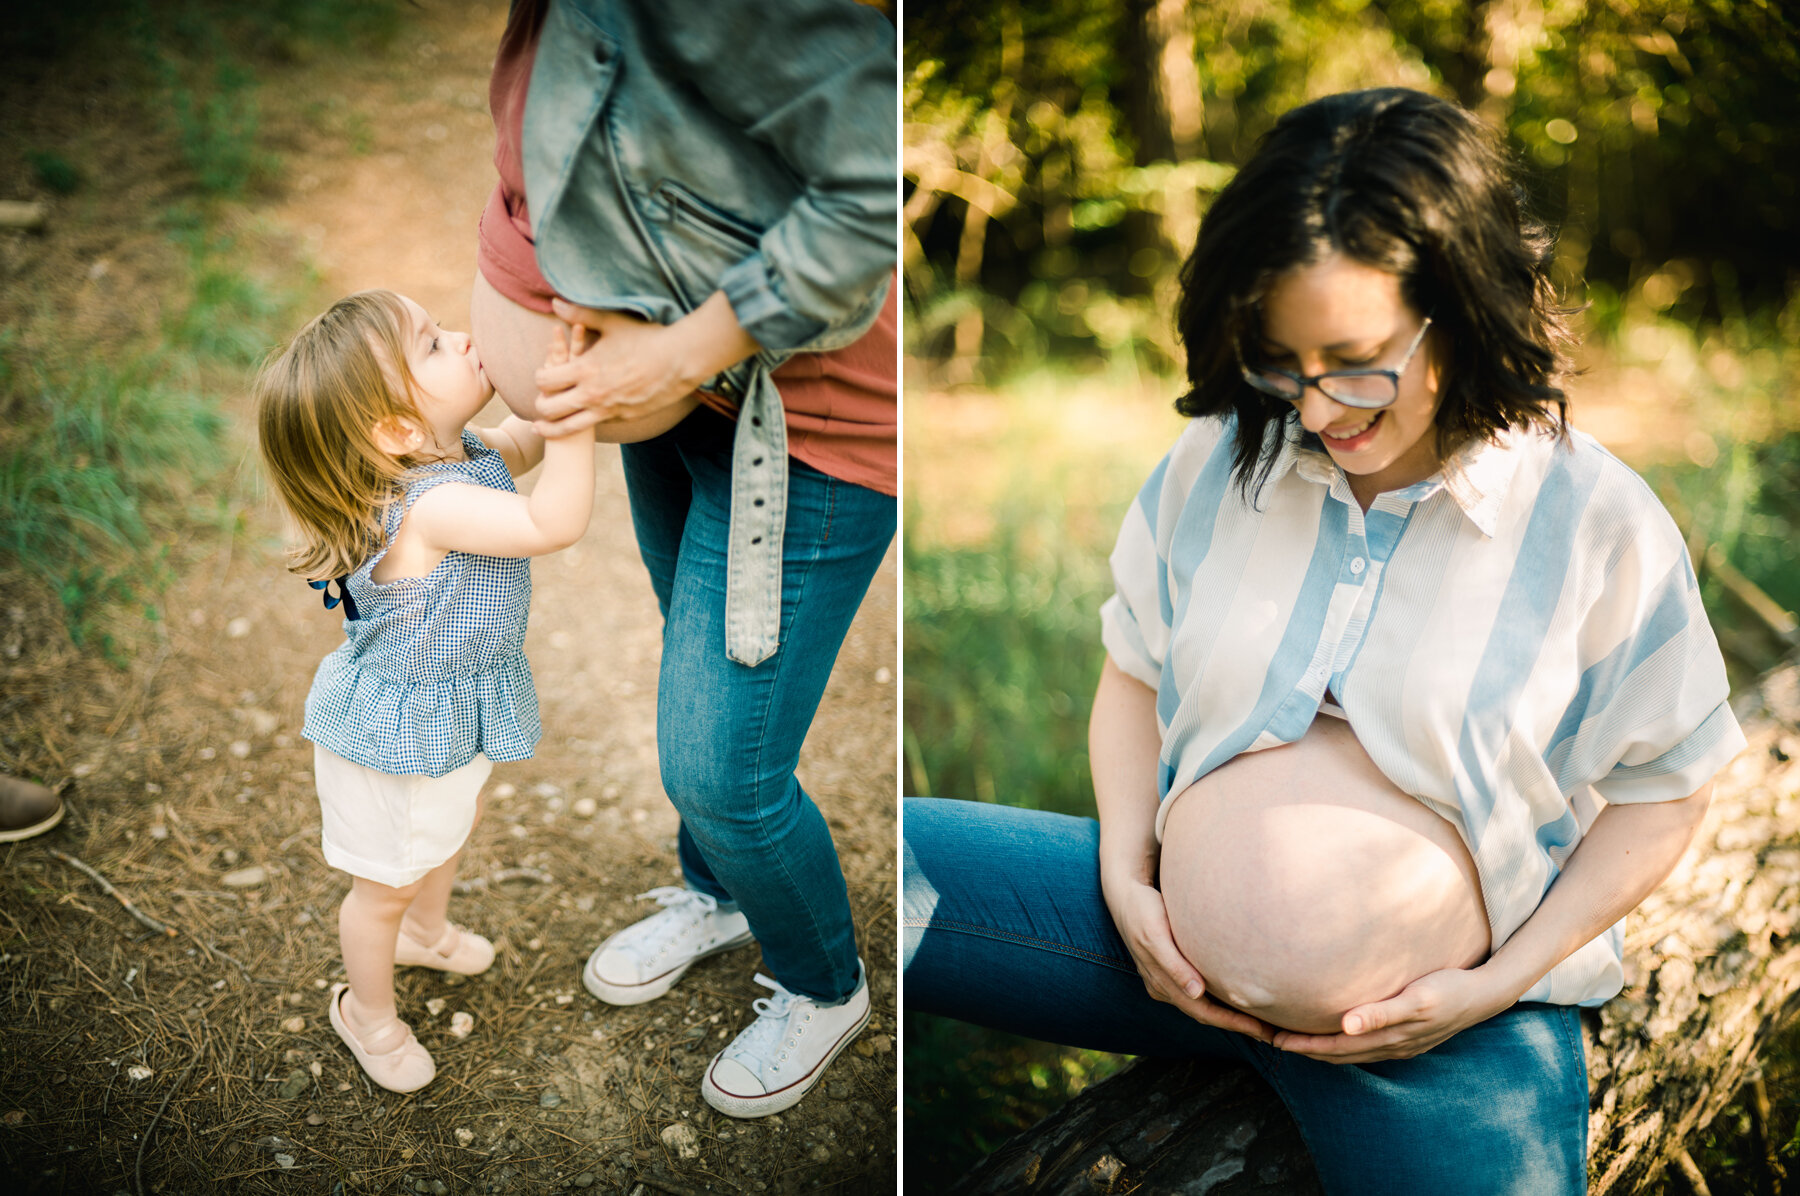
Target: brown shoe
26, 809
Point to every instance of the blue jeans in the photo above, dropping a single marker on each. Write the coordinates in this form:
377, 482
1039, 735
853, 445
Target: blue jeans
1005, 926
728, 737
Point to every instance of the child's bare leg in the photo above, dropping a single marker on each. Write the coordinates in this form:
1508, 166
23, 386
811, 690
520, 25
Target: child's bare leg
428, 938
428, 915
368, 925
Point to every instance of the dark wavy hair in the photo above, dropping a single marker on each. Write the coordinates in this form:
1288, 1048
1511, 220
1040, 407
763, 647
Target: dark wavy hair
1406, 183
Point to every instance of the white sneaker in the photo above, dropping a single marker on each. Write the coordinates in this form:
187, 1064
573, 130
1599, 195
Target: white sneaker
643, 961
782, 1054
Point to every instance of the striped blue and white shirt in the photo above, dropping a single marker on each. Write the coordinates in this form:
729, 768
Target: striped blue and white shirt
1502, 636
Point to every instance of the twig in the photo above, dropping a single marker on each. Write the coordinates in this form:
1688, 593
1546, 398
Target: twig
465, 887
1760, 1115
1690, 1170
107, 887
213, 950
199, 1049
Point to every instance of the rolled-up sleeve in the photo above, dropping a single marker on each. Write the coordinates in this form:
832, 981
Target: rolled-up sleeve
1655, 724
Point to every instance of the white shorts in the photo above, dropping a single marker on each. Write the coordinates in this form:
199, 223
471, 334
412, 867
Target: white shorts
394, 829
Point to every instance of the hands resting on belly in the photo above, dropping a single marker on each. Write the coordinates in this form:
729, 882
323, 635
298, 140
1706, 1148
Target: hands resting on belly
511, 339
1307, 902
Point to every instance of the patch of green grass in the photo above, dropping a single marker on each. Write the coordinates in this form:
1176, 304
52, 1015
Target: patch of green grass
104, 462
1002, 654
54, 171
230, 317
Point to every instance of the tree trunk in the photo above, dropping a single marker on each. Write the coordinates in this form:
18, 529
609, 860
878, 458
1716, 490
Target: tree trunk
1711, 971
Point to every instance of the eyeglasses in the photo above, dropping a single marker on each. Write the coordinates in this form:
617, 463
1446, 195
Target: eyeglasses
1353, 388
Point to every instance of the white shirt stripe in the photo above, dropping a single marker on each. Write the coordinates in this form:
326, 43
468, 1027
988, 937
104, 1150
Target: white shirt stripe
1501, 636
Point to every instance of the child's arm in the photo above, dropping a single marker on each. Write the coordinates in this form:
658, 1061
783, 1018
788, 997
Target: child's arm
474, 519
518, 444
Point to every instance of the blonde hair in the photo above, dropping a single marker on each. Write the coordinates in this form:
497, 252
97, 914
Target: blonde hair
318, 402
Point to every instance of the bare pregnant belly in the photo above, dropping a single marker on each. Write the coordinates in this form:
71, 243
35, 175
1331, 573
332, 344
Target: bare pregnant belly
513, 341
1302, 883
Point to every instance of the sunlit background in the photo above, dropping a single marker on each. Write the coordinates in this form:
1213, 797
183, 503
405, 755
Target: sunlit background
1058, 158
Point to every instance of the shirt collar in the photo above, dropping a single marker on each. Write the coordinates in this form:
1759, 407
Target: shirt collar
1477, 477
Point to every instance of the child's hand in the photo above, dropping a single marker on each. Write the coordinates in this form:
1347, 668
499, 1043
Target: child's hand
566, 341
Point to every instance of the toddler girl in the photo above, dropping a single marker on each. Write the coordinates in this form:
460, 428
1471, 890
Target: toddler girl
362, 422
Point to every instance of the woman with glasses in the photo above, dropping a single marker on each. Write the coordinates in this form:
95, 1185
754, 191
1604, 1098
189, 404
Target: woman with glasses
1409, 695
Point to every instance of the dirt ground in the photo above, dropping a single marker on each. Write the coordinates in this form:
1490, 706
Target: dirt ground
138, 1062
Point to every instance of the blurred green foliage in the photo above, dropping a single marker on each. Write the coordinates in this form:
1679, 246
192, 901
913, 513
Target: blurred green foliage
109, 458
1058, 154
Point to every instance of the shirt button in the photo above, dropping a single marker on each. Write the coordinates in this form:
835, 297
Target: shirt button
1356, 565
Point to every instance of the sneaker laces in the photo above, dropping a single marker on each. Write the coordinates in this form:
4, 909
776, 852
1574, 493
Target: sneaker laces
654, 934
762, 1042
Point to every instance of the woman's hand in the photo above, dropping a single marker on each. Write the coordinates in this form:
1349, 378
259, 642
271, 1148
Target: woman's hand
635, 368
1425, 1013
1143, 922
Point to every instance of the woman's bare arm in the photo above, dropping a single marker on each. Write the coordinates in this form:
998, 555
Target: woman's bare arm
1124, 744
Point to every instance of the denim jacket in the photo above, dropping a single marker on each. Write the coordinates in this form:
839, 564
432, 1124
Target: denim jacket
674, 148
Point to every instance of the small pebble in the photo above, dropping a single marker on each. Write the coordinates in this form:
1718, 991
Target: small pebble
549, 1098
284, 1161
139, 1072
13, 1117
296, 1083
293, 1025
883, 677
320, 985
243, 878
585, 807
546, 789
159, 832
461, 1024
464, 1137
218, 986
563, 998
344, 1086
682, 1139
505, 790
207, 753
534, 944
315, 1119
435, 1006
821, 1153
519, 832
240, 748
585, 1179
317, 1069
238, 628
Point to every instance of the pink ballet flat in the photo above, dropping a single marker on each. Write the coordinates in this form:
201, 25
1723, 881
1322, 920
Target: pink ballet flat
404, 1068
461, 951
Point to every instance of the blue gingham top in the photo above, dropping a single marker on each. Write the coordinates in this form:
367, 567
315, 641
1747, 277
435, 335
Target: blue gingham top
432, 670
1509, 638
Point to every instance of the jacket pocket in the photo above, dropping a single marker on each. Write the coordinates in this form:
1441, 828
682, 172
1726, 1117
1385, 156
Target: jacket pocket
700, 240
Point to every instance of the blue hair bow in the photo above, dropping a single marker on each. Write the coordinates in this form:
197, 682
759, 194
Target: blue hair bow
343, 594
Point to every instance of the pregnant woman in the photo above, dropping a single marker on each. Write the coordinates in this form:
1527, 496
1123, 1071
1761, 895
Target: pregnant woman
714, 186
1409, 695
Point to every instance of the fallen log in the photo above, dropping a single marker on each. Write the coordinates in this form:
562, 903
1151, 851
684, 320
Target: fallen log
1712, 969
